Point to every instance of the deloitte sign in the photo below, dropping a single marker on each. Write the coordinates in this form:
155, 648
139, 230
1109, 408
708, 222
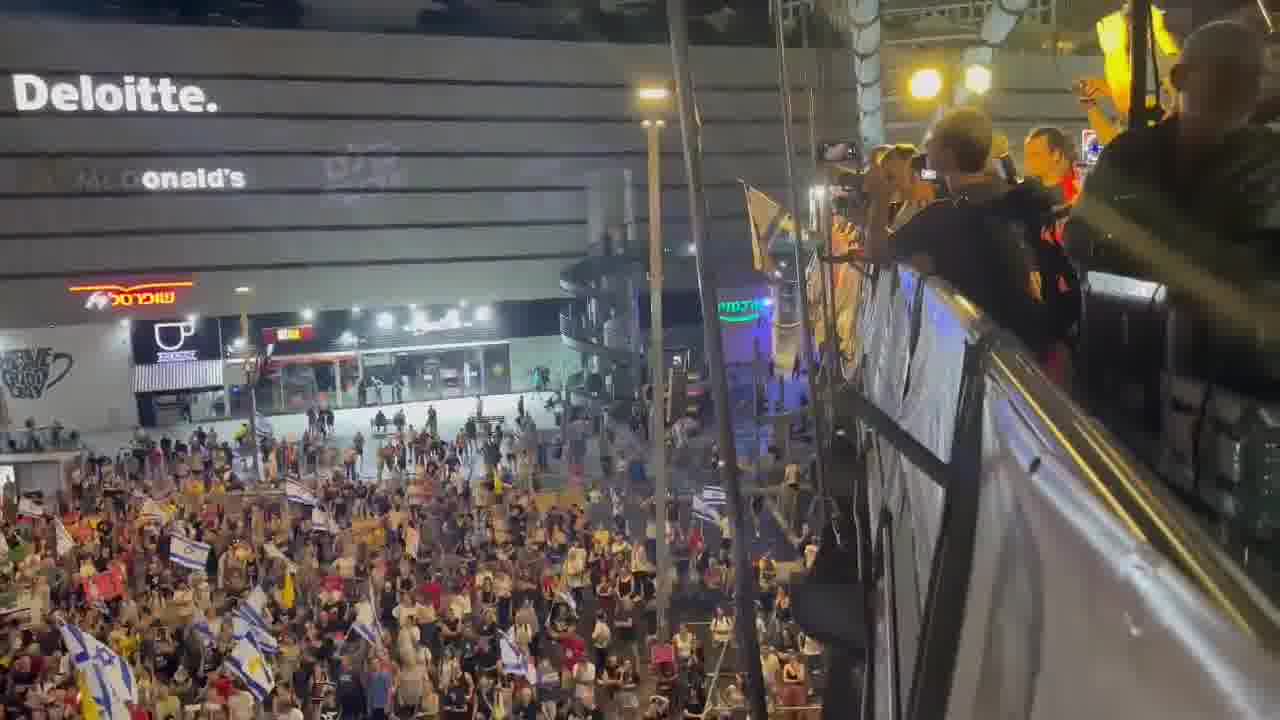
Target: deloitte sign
132, 94
742, 311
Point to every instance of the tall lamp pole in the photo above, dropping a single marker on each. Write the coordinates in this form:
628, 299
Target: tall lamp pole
744, 579
252, 371
652, 99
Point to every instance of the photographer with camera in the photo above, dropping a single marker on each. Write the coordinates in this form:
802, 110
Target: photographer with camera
979, 239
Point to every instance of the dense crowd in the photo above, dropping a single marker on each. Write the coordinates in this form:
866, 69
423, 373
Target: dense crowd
447, 585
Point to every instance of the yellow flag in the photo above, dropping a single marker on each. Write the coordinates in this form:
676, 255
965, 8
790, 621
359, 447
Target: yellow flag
767, 218
88, 706
288, 596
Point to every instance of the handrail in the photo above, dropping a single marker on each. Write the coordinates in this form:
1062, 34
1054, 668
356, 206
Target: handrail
1004, 462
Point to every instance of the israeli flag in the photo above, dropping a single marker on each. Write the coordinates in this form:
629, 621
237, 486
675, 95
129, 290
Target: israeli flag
366, 624
321, 520
265, 429
200, 625
266, 643
514, 662
253, 609
298, 493
714, 496
247, 664
705, 511
188, 553
107, 677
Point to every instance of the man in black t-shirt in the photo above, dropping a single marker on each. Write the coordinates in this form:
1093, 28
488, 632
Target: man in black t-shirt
966, 239
351, 696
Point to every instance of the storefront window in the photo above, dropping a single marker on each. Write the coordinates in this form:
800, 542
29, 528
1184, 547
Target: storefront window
426, 375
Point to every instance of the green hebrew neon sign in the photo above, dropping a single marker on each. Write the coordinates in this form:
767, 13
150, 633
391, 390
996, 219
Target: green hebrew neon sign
736, 312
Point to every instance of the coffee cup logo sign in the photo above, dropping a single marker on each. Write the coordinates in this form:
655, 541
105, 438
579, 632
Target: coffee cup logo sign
132, 94
108, 297
170, 338
29, 373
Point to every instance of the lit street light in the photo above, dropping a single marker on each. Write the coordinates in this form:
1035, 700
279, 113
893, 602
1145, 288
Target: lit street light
654, 102
653, 93
925, 84
978, 79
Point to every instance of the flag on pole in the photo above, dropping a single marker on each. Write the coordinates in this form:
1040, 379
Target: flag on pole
200, 624
153, 511
767, 219
107, 682
253, 609
366, 623
705, 511
299, 493
64, 540
515, 662
247, 664
261, 638
288, 595
321, 520
188, 553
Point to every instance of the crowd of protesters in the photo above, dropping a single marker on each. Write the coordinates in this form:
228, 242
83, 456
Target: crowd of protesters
490, 597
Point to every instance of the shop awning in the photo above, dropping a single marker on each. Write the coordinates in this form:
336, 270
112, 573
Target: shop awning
165, 377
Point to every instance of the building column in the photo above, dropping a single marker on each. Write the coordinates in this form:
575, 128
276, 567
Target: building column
337, 381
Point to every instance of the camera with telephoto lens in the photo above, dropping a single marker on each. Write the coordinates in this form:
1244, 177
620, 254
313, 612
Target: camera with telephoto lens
847, 186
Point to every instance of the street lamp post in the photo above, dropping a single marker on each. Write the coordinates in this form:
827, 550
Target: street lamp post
652, 98
252, 368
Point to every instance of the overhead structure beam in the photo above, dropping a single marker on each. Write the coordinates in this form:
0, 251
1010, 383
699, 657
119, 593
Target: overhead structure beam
864, 16
1000, 22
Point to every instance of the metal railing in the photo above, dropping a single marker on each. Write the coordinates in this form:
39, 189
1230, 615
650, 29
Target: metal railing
994, 513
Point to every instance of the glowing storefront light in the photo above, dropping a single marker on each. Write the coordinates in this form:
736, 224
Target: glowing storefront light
735, 312
105, 297
132, 94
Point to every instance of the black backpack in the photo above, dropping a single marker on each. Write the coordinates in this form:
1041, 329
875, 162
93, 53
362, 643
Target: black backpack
1031, 220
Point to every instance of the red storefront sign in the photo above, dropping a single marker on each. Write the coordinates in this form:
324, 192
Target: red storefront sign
293, 333
111, 296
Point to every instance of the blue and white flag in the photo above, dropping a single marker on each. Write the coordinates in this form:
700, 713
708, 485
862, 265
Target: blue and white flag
298, 493
705, 511
714, 496
253, 608
188, 553
515, 662
366, 624
201, 626
107, 677
247, 664
265, 429
323, 521
259, 636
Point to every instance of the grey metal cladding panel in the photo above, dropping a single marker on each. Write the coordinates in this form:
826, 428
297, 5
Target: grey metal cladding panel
298, 287
210, 133
264, 173
134, 254
141, 253
178, 212
267, 97
109, 47
174, 210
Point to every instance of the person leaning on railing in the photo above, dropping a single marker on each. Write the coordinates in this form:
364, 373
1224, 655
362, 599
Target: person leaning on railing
967, 239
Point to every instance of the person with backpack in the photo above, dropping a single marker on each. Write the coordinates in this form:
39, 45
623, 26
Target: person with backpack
984, 238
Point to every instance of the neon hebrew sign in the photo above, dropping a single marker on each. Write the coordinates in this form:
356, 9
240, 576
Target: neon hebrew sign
735, 312
106, 297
